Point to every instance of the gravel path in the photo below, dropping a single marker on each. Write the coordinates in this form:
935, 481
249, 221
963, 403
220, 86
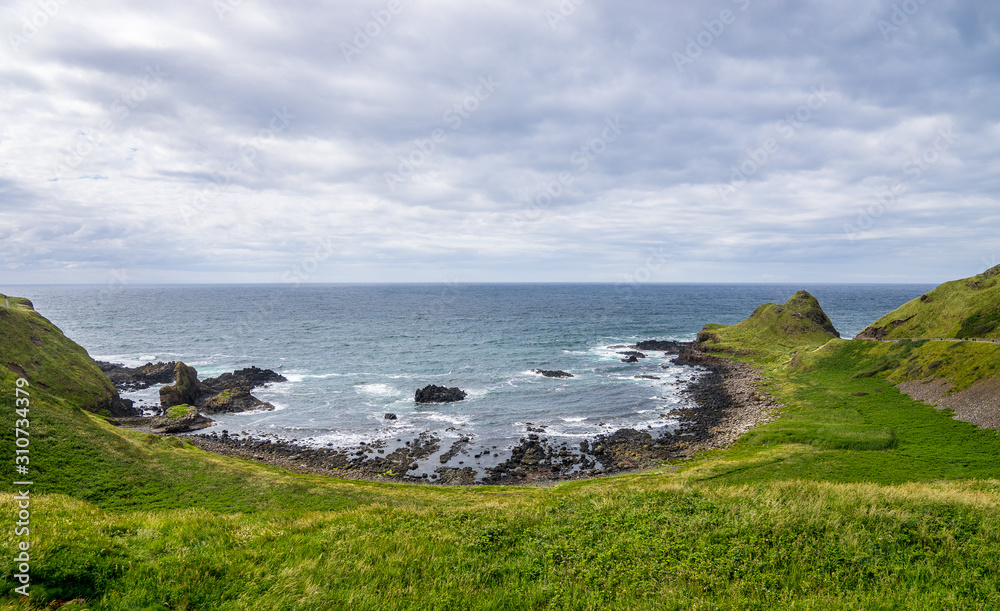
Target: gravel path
978, 404
930, 339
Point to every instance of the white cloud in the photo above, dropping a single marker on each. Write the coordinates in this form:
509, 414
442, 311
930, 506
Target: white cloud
142, 136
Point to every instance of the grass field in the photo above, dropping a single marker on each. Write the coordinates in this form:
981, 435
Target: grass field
856, 498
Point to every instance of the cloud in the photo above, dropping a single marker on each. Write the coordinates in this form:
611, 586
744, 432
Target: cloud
442, 140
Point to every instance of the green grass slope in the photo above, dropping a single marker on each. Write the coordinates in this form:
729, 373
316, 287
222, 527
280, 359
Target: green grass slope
968, 308
857, 498
773, 329
34, 348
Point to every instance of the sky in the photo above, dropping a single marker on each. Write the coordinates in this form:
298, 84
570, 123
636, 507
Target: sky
498, 141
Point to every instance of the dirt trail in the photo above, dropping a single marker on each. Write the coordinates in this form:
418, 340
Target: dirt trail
978, 404
931, 339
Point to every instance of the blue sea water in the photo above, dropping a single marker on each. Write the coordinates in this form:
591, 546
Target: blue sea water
353, 353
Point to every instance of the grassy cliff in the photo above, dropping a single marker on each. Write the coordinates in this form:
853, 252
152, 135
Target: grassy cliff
967, 308
33, 348
857, 498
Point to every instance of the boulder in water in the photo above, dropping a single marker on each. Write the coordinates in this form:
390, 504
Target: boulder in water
552, 373
439, 394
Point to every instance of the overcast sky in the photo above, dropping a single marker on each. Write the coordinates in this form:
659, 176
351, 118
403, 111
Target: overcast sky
499, 140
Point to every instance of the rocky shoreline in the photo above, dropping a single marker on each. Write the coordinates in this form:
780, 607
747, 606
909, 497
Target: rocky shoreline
728, 401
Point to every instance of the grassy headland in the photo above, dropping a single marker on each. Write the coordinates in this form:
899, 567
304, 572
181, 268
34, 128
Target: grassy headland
966, 308
857, 497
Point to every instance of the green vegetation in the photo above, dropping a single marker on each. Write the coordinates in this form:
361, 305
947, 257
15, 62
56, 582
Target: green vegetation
963, 363
856, 498
633, 542
839, 426
179, 411
962, 309
773, 329
34, 348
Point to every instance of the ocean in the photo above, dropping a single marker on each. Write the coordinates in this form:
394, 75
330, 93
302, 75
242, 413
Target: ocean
353, 353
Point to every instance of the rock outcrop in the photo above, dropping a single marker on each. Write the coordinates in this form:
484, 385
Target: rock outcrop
227, 393
251, 377
179, 419
186, 388
668, 346
439, 394
552, 373
138, 378
234, 400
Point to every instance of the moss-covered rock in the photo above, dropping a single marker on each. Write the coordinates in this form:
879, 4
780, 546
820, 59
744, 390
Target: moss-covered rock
179, 419
186, 388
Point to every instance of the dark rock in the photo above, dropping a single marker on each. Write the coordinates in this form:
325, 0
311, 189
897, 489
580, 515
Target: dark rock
390, 416
630, 359
179, 419
251, 377
553, 373
137, 378
645, 376
695, 357
872, 332
186, 388
665, 345
705, 337
455, 476
117, 407
234, 400
459, 446
438, 394
633, 353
